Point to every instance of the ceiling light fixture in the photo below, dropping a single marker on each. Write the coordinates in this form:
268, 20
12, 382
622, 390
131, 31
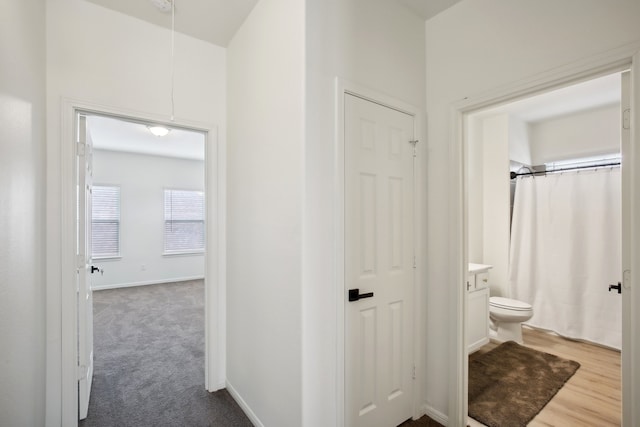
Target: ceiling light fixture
162, 5
158, 130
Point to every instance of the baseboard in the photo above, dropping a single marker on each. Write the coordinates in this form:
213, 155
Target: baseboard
243, 405
216, 387
435, 415
145, 283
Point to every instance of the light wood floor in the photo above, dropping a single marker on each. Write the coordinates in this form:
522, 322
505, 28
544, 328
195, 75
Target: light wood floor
592, 395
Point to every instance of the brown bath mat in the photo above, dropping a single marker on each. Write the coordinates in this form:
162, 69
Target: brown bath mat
510, 384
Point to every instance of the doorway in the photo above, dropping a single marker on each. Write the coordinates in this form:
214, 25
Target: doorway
214, 349
574, 127
145, 226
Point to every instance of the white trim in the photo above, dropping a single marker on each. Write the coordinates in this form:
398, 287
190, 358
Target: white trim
183, 254
145, 283
61, 299
631, 379
343, 87
608, 62
458, 373
215, 263
244, 406
436, 415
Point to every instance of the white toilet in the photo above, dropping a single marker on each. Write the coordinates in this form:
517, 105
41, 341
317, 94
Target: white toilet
506, 316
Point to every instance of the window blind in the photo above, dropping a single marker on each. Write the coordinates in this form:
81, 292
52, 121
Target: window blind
105, 221
183, 221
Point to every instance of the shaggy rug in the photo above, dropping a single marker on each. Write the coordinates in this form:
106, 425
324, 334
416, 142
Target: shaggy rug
510, 384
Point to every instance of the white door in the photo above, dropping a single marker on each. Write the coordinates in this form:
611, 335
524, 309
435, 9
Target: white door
85, 268
379, 262
625, 151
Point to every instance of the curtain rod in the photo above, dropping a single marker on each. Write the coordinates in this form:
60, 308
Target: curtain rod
514, 175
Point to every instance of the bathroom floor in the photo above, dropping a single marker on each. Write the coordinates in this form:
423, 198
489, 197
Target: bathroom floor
591, 397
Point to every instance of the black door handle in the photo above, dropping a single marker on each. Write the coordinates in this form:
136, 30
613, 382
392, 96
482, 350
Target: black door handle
355, 295
618, 287
94, 269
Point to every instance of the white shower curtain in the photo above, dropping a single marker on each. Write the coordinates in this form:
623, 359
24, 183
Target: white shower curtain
566, 250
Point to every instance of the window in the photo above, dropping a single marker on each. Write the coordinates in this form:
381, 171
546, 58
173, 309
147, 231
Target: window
183, 221
105, 221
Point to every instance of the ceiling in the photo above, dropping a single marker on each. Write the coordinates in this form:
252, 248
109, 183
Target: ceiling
428, 8
583, 96
216, 21
108, 133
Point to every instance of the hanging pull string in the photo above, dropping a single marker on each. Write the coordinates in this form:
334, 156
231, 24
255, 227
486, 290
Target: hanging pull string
173, 31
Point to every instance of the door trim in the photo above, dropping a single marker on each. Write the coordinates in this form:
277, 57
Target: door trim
342, 88
611, 61
60, 297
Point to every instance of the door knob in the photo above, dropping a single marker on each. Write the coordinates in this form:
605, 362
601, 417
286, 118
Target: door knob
618, 287
94, 269
355, 295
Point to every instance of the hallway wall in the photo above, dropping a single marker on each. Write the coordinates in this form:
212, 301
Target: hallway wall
265, 178
22, 199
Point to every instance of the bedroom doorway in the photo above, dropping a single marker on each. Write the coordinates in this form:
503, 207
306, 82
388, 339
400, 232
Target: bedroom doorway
146, 250
74, 314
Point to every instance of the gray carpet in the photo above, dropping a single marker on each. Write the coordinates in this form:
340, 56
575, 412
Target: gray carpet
149, 360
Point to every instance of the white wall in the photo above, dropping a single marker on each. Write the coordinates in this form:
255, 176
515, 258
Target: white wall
493, 141
142, 180
264, 211
519, 141
475, 189
587, 133
22, 197
379, 45
495, 182
102, 57
481, 45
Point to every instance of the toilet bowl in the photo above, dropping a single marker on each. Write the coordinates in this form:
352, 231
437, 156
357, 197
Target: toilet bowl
506, 316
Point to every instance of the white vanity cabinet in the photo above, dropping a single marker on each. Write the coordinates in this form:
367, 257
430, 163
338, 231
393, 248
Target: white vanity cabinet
477, 306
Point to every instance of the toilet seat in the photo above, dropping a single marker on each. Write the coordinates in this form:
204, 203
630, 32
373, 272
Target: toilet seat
509, 304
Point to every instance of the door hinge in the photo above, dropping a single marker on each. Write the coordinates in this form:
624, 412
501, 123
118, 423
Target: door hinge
82, 372
414, 143
413, 374
415, 263
80, 148
626, 279
626, 119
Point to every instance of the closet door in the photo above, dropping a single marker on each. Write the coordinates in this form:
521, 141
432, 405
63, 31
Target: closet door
379, 264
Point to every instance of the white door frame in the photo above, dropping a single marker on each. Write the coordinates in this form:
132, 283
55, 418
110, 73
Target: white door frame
63, 300
608, 62
342, 88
